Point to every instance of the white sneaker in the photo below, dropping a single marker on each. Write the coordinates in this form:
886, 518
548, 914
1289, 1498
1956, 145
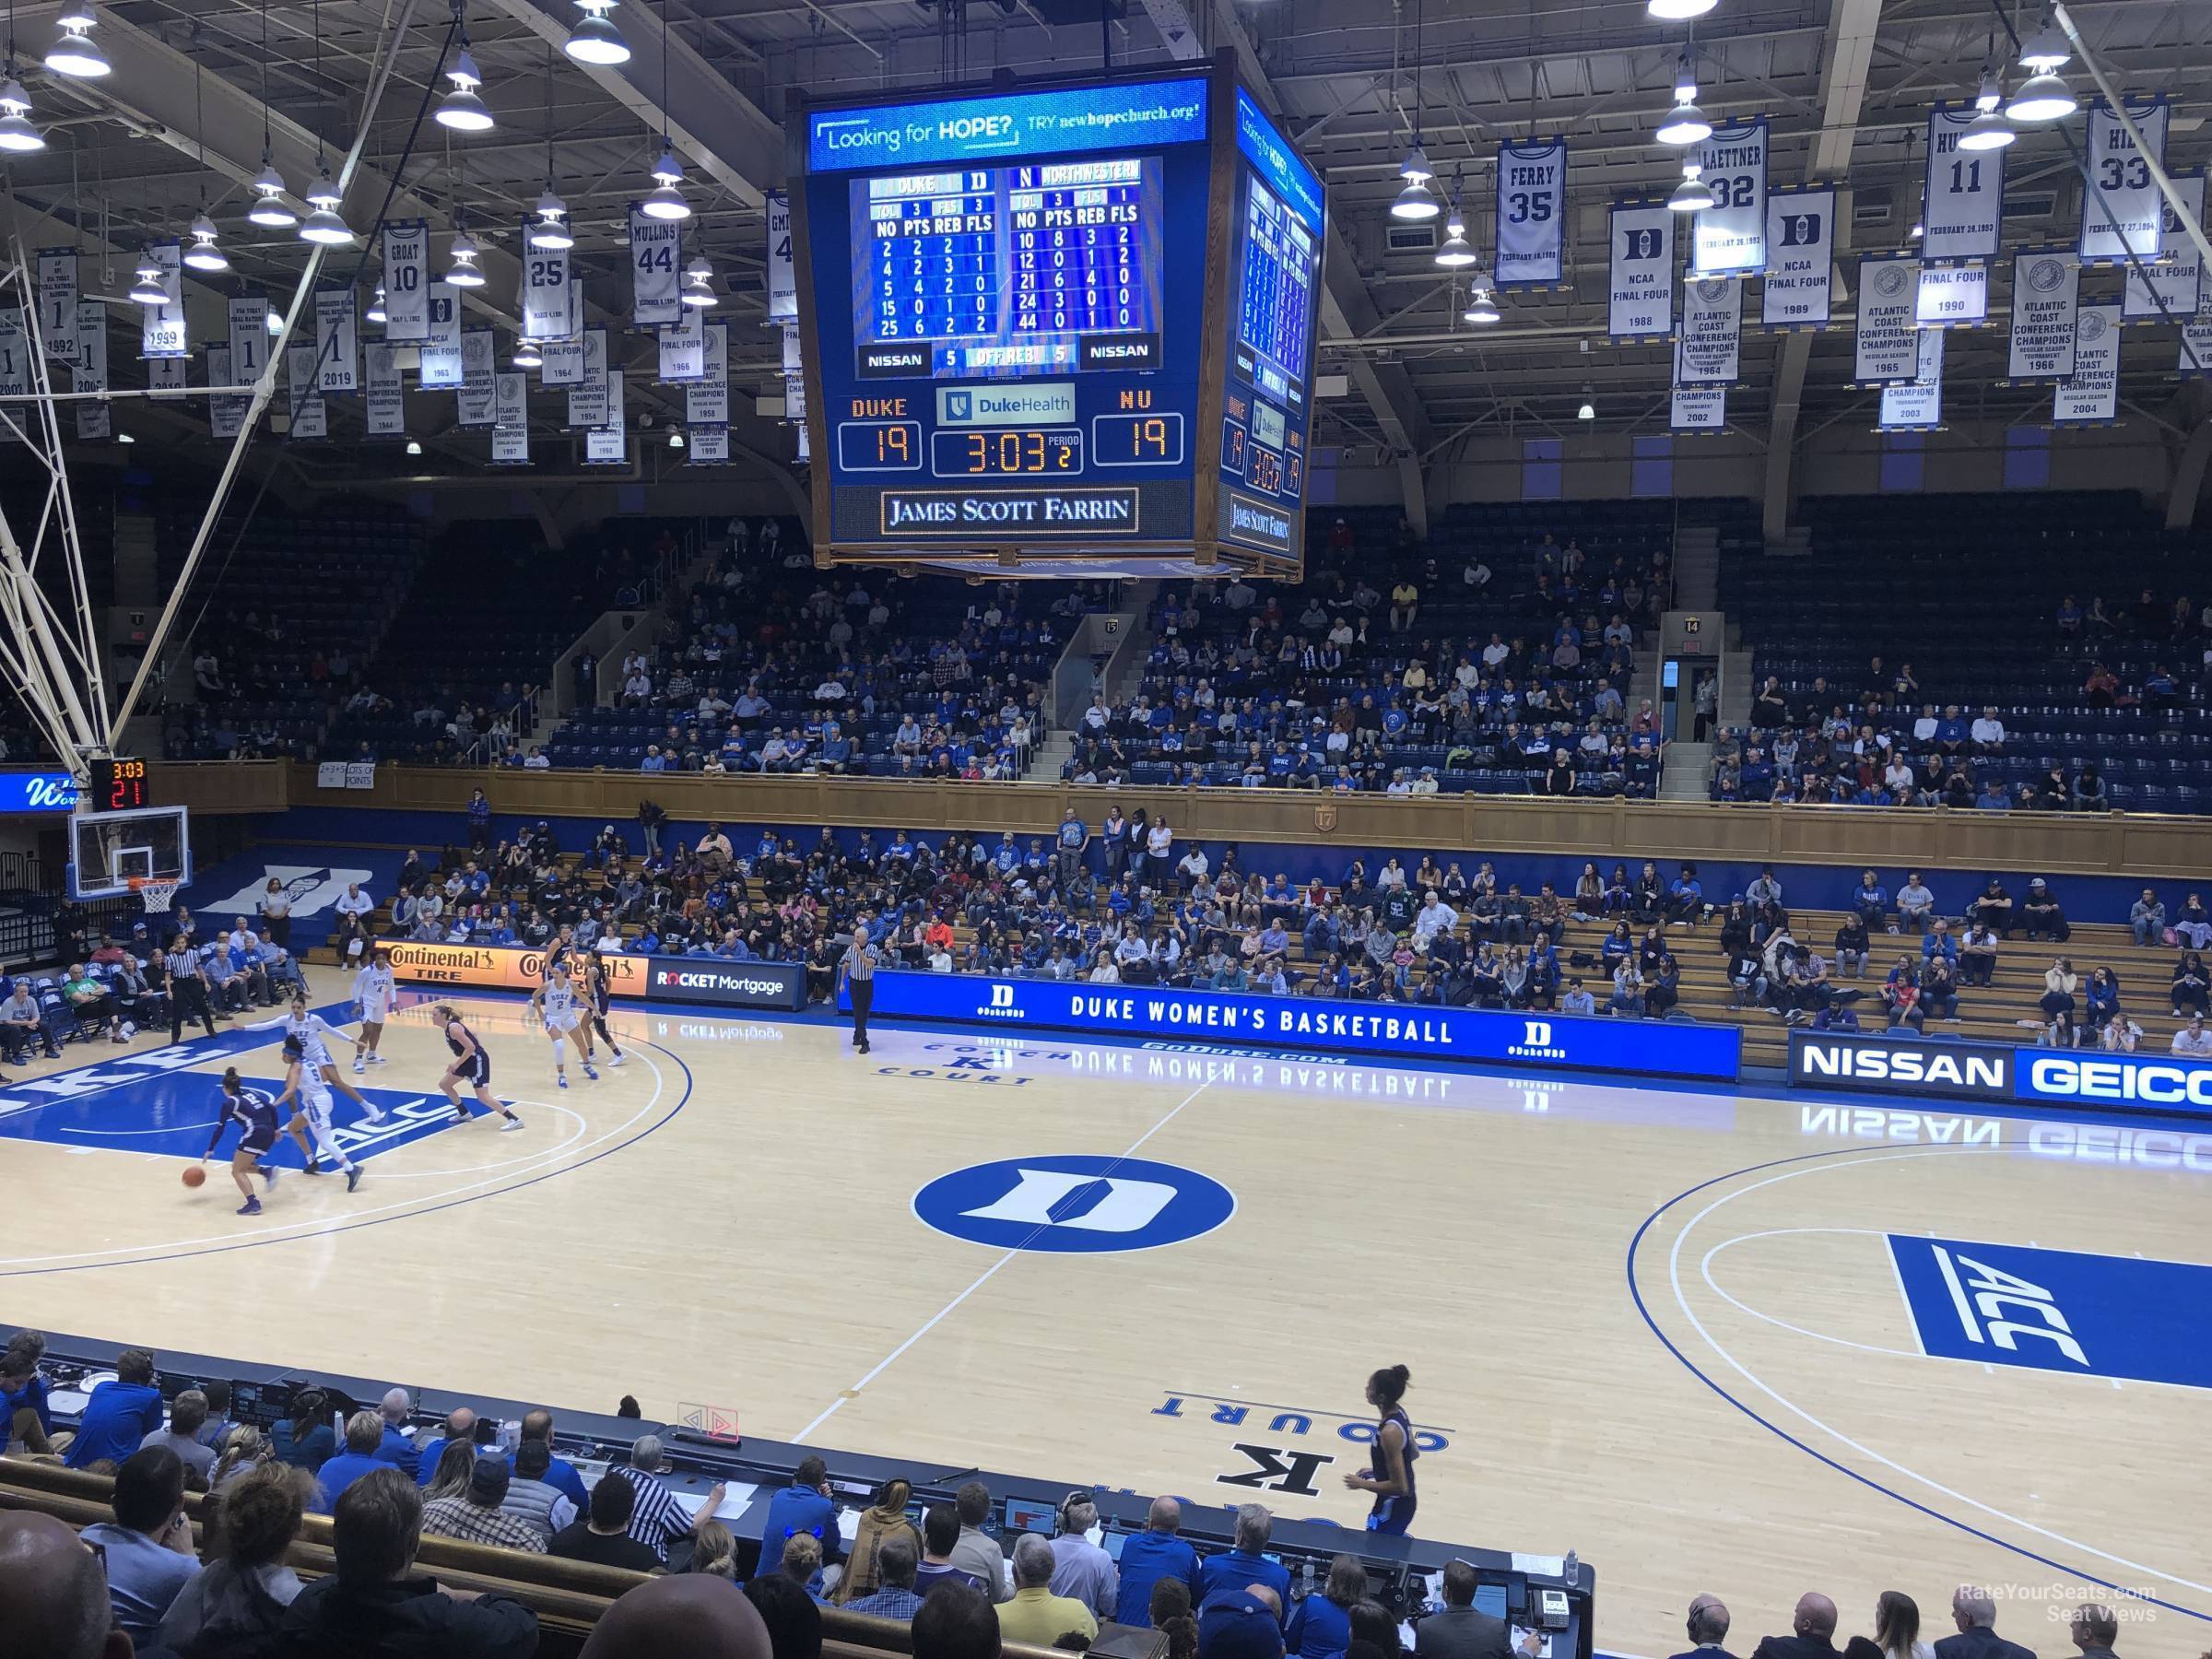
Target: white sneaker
358, 1069
512, 1123
372, 1115
618, 1059
376, 1059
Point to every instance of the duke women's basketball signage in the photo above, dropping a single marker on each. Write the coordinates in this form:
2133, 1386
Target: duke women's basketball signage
1075, 1204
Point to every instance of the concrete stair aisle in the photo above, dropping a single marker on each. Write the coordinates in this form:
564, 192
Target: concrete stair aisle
1697, 567
1688, 770
1736, 684
1047, 758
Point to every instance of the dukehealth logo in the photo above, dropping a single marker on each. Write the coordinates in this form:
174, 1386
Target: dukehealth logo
1075, 1204
1014, 405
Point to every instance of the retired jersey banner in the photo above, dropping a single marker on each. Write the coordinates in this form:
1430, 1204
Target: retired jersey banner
438, 364
161, 327
709, 445
2123, 210
1962, 203
2046, 292
1729, 239
1532, 214
94, 419
1886, 352
386, 405
1698, 409
406, 254
2091, 395
338, 345
1712, 329
1801, 251
707, 400
479, 378
550, 300
226, 415
249, 321
1916, 406
1640, 278
684, 347
57, 303
587, 400
310, 415
2175, 286
783, 273
607, 444
656, 258
1951, 296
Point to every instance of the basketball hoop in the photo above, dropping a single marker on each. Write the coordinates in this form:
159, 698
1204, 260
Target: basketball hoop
154, 893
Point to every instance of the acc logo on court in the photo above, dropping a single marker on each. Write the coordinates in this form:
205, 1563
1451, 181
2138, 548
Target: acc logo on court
1075, 1204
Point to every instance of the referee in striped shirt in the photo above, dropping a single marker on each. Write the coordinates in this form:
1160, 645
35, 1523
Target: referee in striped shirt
859, 969
187, 988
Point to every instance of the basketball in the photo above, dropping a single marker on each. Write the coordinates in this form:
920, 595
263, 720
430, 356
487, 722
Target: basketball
194, 1176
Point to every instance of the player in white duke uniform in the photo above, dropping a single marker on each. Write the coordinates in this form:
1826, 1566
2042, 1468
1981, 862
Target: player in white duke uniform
315, 1034
373, 989
564, 1017
302, 1085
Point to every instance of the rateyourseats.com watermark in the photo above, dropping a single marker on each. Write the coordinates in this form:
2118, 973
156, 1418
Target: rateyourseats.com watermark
2060, 1603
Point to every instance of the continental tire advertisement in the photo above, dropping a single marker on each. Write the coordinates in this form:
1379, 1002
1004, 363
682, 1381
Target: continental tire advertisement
496, 967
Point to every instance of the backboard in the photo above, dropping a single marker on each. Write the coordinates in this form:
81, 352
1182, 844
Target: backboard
106, 849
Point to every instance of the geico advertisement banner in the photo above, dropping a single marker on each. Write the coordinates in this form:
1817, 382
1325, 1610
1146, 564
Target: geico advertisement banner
2162, 1082
498, 966
727, 984
1482, 1036
1988, 1071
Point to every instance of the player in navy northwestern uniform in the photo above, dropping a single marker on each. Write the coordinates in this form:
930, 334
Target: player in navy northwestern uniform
255, 1114
1390, 1480
472, 1065
601, 999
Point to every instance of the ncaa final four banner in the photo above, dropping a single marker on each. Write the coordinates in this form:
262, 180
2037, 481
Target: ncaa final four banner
564, 360
161, 327
1729, 239
549, 301
385, 405
1801, 251
406, 257
2091, 395
2046, 294
1887, 350
2173, 288
57, 303
2123, 210
707, 399
1951, 296
337, 347
437, 365
1640, 285
656, 251
1917, 404
94, 419
1711, 349
1963, 200
1531, 215
684, 347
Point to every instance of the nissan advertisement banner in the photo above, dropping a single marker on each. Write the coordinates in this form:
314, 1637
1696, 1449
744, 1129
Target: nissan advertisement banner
2089, 1079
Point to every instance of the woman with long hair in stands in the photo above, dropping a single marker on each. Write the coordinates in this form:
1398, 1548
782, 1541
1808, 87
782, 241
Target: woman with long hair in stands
1391, 1480
883, 1519
240, 1596
245, 1449
1321, 1626
450, 1478
1896, 1631
713, 1551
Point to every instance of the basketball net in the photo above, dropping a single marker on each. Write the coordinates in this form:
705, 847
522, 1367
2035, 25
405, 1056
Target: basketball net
154, 893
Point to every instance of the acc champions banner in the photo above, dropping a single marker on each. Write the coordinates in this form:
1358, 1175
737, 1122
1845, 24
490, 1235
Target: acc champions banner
1402, 1030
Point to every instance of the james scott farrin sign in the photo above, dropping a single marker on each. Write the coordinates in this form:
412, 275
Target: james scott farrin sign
1405, 1030
1988, 1071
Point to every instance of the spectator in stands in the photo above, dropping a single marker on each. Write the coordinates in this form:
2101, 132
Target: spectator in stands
364, 1455
895, 1562
2093, 1630
940, 1538
792, 1616
1035, 1615
1247, 1562
2057, 1003
374, 1606
1459, 1630
1974, 1611
54, 1591
23, 1025
603, 1536
2194, 1040
148, 1544
1853, 943
475, 1515
26, 1412
187, 1416
1321, 1625
695, 1617
1706, 1625
1977, 955
978, 1553
658, 1519
2147, 918
2041, 915
120, 1414
2191, 988
1896, 1631
1148, 1558
2192, 927
956, 1621
2120, 1035
460, 1427
307, 1437
531, 1498
1916, 903
1243, 1623
1812, 1630
237, 1600
1082, 1570
804, 1506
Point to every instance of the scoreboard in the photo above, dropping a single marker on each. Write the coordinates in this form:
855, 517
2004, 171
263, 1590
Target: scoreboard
1059, 326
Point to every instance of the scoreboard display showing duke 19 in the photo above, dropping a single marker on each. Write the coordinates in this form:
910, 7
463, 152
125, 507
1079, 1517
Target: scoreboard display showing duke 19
1073, 318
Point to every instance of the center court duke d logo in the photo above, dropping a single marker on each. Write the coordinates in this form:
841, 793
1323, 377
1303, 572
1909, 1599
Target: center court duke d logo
1075, 1204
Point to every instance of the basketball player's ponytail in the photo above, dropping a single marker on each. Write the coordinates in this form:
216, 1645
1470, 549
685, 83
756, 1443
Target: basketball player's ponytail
1388, 1385
231, 1082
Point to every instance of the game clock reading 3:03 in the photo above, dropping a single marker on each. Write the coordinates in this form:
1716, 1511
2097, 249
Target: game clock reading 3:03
1011, 296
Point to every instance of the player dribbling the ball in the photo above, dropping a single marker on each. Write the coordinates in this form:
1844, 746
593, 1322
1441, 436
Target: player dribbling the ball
255, 1115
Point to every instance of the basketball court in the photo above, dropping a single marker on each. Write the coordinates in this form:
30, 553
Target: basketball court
1709, 1340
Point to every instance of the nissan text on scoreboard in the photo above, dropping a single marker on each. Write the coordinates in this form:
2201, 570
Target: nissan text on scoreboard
1060, 329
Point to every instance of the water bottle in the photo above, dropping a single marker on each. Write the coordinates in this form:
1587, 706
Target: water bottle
1306, 1583
1570, 1571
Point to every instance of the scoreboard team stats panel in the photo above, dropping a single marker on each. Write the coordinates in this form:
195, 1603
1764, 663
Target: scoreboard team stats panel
1072, 320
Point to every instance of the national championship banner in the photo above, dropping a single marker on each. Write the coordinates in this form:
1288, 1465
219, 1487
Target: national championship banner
2046, 292
587, 400
1951, 296
161, 327
2192, 363
2091, 395
165, 376
249, 321
439, 363
549, 301
709, 445
656, 257
226, 415
1886, 351
15, 368
337, 347
386, 405
2177, 282
2122, 211
782, 274
510, 419
310, 415
407, 284
1698, 409
1531, 215
1641, 280
1962, 202
1916, 406
1713, 326
684, 347
479, 380
707, 399
1801, 249
94, 419
607, 445
57, 303
1729, 239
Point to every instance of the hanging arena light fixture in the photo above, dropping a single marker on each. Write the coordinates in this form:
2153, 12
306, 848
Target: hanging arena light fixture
148, 289
594, 39
76, 54
698, 284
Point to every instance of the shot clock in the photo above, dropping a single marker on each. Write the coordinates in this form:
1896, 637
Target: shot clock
117, 785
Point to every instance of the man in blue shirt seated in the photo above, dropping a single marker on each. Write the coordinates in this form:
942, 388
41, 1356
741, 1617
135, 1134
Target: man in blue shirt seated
560, 1474
120, 1414
1234, 1569
1243, 1623
804, 1506
364, 1443
1150, 1556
